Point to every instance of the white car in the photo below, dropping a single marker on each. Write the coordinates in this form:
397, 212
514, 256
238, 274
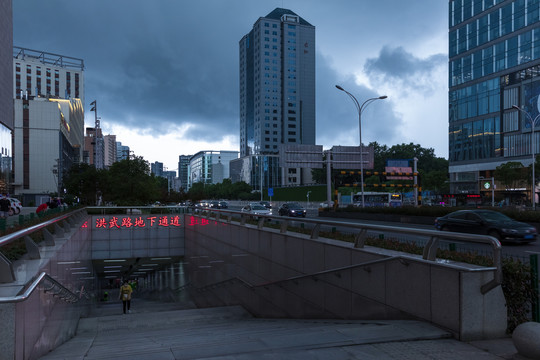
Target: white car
16, 205
255, 209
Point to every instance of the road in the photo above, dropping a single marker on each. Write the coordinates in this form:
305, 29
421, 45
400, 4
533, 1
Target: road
520, 251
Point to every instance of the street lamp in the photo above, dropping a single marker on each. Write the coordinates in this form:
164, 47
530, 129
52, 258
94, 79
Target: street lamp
360, 109
533, 122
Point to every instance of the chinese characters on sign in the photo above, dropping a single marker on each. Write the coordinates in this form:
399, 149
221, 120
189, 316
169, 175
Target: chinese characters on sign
146, 222
137, 222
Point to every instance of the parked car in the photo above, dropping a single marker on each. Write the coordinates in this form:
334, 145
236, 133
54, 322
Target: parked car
487, 222
292, 209
255, 209
16, 205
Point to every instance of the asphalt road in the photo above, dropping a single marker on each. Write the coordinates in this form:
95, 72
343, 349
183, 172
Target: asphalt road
520, 251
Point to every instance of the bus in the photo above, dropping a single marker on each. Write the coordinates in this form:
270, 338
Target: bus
381, 199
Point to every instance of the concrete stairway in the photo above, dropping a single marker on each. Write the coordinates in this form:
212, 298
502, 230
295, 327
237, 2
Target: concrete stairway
156, 330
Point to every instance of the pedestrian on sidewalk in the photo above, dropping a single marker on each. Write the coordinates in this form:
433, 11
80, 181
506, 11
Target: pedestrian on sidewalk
125, 296
5, 204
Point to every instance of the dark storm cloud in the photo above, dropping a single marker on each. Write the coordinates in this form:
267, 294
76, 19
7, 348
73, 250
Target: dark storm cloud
337, 117
158, 65
397, 65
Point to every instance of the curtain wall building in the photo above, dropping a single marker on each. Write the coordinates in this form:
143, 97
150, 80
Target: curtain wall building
277, 85
494, 87
210, 167
6, 91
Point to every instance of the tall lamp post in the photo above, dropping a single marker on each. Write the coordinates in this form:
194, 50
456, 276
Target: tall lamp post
360, 109
533, 148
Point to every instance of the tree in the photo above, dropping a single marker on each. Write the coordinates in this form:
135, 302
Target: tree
427, 163
82, 180
510, 174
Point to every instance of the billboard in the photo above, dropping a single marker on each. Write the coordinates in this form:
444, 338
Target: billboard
301, 156
348, 157
398, 166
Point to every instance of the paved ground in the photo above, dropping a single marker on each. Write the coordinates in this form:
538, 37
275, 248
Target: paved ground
156, 330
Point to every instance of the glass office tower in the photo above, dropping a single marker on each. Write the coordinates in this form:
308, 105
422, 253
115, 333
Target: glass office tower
277, 89
494, 63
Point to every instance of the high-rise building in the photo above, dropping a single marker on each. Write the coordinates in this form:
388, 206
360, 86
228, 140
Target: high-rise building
277, 86
6, 91
92, 146
122, 151
210, 167
48, 140
494, 88
110, 150
49, 120
156, 168
183, 171
42, 74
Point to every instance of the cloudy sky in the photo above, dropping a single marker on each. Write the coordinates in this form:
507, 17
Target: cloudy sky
165, 72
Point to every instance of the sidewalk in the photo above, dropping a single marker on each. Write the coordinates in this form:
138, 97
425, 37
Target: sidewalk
156, 330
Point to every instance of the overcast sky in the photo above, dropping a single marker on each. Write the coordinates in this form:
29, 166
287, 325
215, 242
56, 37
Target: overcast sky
165, 72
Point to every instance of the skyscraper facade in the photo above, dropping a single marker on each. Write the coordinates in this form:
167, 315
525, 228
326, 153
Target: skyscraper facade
183, 171
43, 74
109, 142
122, 151
277, 85
6, 91
48, 138
210, 167
494, 87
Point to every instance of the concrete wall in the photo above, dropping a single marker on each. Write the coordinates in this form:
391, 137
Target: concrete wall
291, 275
34, 327
152, 240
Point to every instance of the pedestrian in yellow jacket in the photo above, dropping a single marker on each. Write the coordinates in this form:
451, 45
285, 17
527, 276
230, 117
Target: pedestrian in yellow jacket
125, 295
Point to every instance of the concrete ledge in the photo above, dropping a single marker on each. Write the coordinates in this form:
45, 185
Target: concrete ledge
295, 276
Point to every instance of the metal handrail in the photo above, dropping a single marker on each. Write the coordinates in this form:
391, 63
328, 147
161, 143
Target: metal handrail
60, 290
429, 249
6, 239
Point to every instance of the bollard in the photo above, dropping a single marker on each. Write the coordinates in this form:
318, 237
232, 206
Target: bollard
21, 219
535, 311
381, 236
452, 247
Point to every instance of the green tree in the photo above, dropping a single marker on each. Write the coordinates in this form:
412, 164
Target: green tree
83, 181
427, 163
510, 174
130, 183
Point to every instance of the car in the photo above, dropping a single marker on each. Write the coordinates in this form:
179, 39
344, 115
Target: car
16, 205
292, 209
255, 209
214, 204
266, 204
487, 222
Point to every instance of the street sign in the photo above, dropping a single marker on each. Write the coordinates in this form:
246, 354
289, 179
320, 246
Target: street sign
270, 192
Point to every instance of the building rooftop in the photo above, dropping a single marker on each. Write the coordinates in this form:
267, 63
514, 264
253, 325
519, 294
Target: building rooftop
48, 58
277, 13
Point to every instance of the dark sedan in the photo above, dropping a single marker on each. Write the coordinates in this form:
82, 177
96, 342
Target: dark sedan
487, 222
292, 209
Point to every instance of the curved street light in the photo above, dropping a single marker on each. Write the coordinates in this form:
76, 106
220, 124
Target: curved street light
360, 109
533, 123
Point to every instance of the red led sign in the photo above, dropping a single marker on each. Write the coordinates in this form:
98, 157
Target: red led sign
151, 221
138, 222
